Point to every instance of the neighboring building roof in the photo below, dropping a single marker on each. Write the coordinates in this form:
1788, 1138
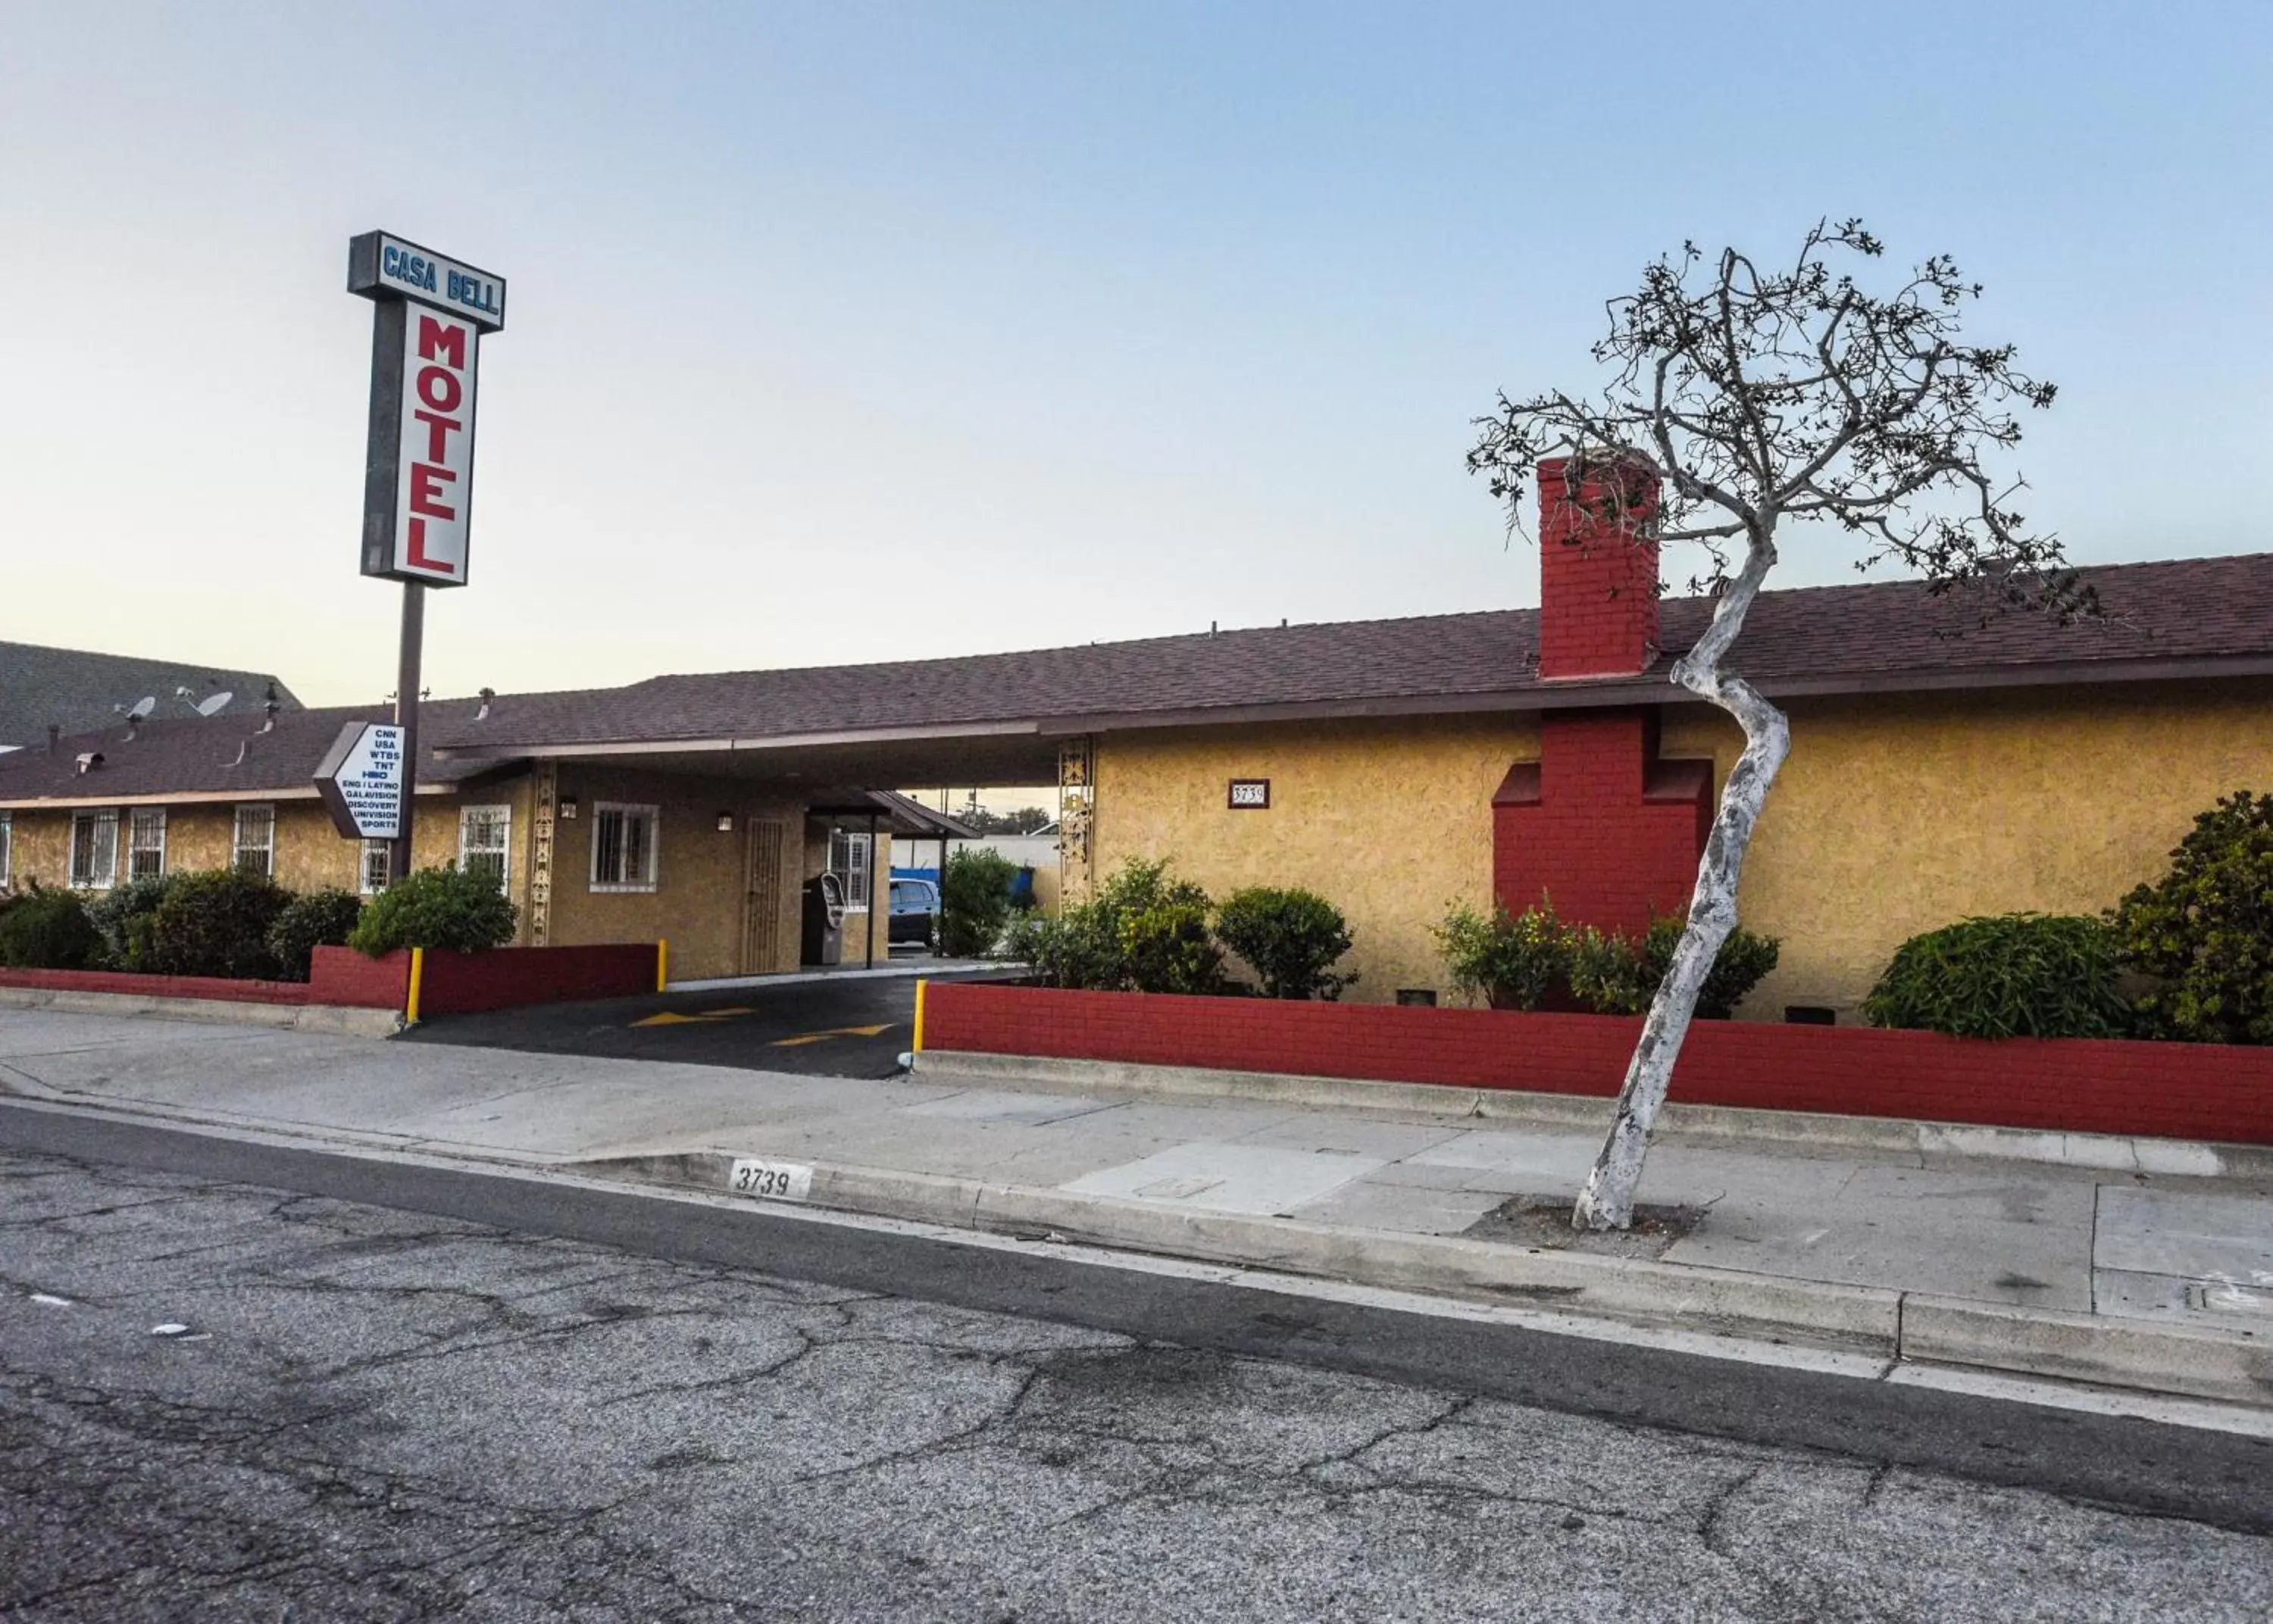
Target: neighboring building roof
2164, 620
895, 814
216, 758
80, 691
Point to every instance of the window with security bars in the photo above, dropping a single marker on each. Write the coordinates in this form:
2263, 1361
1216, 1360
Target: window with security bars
254, 849
94, 849
848, 860
145, 842
624, 847
376, 855
486, 842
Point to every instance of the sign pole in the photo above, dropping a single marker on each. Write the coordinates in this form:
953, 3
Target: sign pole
418, 473
405, 717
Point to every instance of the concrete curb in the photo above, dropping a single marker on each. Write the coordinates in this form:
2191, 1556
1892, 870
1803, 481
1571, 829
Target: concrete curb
337, 1018
2206, 1362
2202, 1361
1796, 1129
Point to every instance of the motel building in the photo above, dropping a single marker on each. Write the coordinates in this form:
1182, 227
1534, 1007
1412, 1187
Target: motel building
1939, 768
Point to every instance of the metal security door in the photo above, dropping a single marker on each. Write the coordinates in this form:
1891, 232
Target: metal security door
762, 897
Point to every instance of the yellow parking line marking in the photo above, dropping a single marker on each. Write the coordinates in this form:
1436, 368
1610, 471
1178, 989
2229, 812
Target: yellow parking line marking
669, 1017
802, 1038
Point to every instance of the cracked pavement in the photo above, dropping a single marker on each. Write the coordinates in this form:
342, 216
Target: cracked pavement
378, 1415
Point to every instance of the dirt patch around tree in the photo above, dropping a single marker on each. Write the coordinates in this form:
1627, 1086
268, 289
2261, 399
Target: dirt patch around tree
1542, 1224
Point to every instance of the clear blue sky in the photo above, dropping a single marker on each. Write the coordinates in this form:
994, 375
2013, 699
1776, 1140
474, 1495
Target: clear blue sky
842, 330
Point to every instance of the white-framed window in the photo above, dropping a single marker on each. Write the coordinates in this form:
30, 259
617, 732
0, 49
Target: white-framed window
7, 847
373, 862
848, 860
254, 849
486, 842
624, 846
145, 842
94, 849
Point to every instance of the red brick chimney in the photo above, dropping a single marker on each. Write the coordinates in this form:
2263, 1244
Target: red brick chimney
1597, 568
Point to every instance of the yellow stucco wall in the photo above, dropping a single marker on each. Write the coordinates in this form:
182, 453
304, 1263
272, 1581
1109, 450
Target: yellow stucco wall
1899, 815
1388, 821
701, 871
309, 853
1892, 817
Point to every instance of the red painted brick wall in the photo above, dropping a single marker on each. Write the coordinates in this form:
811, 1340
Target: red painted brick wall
1607, 846
342, 976
1597, 575
158, 986
2074, 1085
509, 977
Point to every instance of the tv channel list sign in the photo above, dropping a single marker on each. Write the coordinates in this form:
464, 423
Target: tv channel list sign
360, 780
419, 467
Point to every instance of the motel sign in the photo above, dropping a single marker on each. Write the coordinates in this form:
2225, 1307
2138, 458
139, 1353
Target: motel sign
418, 469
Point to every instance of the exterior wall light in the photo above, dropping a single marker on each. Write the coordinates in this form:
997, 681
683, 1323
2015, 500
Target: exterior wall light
568, 808
725, 823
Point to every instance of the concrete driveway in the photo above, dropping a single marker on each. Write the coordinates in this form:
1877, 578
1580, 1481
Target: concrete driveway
842, 1025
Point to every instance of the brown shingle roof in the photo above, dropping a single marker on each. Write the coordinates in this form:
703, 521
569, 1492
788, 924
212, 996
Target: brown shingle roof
2164, 618
196, 755
1891, 634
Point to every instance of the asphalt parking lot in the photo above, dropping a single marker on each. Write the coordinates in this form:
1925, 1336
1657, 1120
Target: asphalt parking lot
837, 1026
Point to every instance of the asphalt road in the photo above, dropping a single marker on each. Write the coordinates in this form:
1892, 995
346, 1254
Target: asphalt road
463, 1401
840, 1026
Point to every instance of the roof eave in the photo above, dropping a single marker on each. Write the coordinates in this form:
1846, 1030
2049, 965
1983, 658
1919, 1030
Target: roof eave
1574, 694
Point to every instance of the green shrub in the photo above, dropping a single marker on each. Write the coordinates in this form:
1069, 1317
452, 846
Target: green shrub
1619, 976
214, 924
48, 929
974, 903
2010, 975
1514, 960
1079, 948
1608, 974
1141, 932
2204, 931
1167, 949
123, 916
1289, 939
322, 918
446, 907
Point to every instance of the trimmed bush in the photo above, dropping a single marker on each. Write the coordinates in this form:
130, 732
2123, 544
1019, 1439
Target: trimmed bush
1289, 939
2010, 975
123, 916
444, 907
2204, 931
1618, 976
1167, 949
214, 924
1141, 932
1080, 948
974, 903
322, 918
1515, 961
48, 929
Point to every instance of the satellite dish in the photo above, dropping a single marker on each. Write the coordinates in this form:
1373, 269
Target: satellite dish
143, 706
214, 704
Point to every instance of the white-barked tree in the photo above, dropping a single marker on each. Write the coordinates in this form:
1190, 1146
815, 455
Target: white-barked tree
1743, 396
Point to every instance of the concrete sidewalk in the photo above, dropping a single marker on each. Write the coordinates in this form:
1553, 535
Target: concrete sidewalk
2138, 1279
